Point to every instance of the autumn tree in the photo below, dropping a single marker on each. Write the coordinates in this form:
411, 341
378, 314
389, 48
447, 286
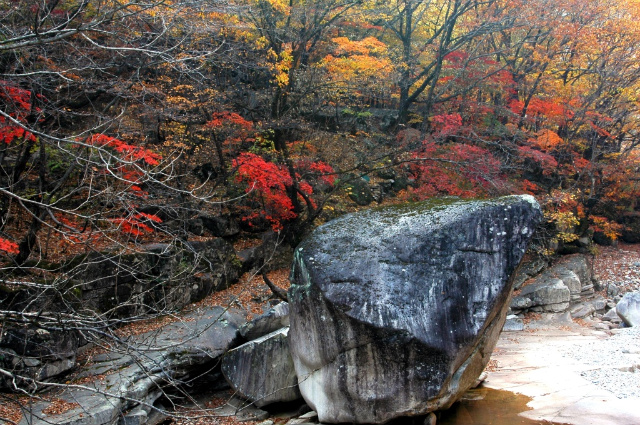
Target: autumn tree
83, 188
425, 35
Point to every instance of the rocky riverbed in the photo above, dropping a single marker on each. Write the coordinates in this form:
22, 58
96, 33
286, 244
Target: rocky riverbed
573, 374
576, 371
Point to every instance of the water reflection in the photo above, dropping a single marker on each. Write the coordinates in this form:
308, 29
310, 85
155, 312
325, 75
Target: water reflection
485, 406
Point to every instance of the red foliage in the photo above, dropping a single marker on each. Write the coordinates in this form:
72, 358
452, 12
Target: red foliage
601, 131
135, 225
267, 183
16, 102
457, 169
270, 185
549, 109
129, 152
546, 161
446, 124
221, 119
456, 58
528, 187
322, 171
8, 247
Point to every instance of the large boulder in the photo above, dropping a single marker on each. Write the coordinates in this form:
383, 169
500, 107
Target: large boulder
395, 311
628, 308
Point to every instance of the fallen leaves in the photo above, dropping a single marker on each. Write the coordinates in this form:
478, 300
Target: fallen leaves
59, 406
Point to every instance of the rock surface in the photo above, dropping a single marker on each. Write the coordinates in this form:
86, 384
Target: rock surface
35, 353
262, 370
574, 375
628, 308
395, 311
548, 294
132, 379
568, 281
273, 319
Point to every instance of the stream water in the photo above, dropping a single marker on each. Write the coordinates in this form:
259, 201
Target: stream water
485, 406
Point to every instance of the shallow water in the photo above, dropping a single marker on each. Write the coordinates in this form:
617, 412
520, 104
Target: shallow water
485, 406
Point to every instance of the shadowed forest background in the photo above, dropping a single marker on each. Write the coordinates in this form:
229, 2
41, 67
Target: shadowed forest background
126, 123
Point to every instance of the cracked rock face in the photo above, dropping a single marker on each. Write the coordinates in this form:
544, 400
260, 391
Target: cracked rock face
395, 311
262, 371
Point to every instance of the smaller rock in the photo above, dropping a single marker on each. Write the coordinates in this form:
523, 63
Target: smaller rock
262, 370
601, 326
569, 278
483, 376
431, 419
195, 226
629, 309
582, 310
272, 320
547, 294
137, 416
584, 241
309, 415
221, 226
520, 303
612, 290
513, 324
599, 303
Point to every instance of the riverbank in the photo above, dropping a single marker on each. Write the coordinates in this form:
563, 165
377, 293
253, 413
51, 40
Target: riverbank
573, 374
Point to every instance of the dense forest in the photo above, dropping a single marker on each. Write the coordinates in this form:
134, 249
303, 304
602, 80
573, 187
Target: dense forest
116, 116
129, 126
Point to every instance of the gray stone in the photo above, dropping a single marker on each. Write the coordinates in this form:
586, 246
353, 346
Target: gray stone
570, 279
137, 416
527, 271
600, 303
582, 310
309, 415
262, 370
431, 419
612, 316
272, 320
239, 410
221, 226
35, 353
520, 303
612, 290
548, 294
566, 282
395, 311
578, 264
584, 241
629, 309
513, 324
